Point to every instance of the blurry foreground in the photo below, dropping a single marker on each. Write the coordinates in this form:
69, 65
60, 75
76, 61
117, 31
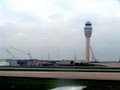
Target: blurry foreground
57, 84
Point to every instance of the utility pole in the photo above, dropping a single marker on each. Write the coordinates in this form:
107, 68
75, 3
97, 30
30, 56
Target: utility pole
58, 54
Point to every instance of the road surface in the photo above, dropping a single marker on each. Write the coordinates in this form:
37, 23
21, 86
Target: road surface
64, 75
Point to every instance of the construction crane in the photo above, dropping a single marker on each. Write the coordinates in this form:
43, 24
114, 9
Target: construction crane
48, 56
29, 54
10, 54
75, 58
93, 56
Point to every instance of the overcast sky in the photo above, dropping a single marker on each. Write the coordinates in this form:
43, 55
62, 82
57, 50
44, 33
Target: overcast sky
57, 27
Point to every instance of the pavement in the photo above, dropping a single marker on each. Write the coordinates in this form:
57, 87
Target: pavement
63, 75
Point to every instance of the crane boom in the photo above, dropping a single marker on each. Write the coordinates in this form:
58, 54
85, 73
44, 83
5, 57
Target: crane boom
18, 50
10, 54
29, 54
93, 56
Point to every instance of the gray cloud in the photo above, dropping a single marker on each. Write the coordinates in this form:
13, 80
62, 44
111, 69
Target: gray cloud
61, 31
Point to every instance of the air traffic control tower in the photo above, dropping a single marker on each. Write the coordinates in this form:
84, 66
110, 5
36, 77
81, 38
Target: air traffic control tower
88, 32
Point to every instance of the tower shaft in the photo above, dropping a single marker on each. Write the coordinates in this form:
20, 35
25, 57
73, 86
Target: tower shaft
88, 49
88, 33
